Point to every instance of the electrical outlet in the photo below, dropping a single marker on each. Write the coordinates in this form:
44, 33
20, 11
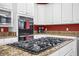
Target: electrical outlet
45, 29
67, 29
2, 30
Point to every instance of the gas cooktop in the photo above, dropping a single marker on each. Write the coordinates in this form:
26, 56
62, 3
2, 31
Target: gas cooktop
36, 46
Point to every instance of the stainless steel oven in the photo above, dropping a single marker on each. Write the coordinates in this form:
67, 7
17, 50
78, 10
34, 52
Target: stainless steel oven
25, 28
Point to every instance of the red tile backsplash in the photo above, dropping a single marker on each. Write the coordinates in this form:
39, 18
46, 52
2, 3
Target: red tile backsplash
62, 27
5, 29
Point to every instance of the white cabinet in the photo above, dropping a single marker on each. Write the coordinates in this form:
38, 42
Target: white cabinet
21, 9
69, 50
53, 13
66, 13
4, 41
75, 12
30, 9
6, 6
25, 9
41, 14
49, 14
70, 53
66, 49
35, 15
75, 47
56, 13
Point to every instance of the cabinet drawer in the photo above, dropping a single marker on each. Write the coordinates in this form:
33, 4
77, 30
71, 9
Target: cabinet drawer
64, 50
70, 53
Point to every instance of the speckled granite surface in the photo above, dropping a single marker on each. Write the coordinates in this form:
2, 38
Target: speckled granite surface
7, 34
62, 33
6, 50
4, 37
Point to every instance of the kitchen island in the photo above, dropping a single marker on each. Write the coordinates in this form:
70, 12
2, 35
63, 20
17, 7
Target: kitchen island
60, 50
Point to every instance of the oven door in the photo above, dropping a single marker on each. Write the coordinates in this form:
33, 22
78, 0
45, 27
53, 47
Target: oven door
28, 37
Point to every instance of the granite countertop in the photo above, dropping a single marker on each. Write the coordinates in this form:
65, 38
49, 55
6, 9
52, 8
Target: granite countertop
6, 50
61, 33
4, 37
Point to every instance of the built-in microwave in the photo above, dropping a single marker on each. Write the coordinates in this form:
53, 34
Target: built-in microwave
5, 20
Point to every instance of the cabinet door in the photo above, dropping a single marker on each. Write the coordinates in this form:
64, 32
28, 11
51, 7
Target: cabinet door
66, 13
65, 50
49, 14
30, 9
21, 8
75, 47
6, 6
70, 53
56, 13
73, 51
75, 12
35, 14
41, 14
